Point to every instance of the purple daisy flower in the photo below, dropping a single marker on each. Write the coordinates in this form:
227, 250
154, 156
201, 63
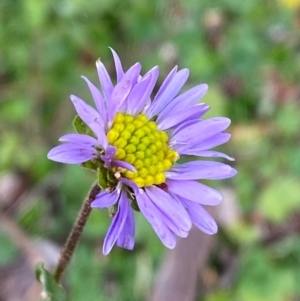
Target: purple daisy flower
135, 144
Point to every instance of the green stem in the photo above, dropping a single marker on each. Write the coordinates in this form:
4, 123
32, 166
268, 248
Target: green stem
75, 233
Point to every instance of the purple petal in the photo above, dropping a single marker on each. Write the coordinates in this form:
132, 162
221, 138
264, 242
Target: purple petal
98, 99
87, 113
80, 139
126, 238
118, 65
154, 217
169, 92
136, 95
210, 154
201, 130
200, 217
91, 117
147, 104
173, 226
195, 192
166, 82
124, 164
131, 184
154, 72
117, 224
170, 207
139, 96
193, 112
108, 157
71, 153
106, 199
205, 144
201, 170
110, 151
185, 124
185, 100
122, 89
105, 81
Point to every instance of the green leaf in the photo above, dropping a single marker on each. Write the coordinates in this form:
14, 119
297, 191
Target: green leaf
91, 164
102, 178
81, 127
113, 210
134, 204
51, 290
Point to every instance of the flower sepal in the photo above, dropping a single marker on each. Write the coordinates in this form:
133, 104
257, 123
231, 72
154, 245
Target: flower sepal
106, 180
91, 164
133, 203
113, 210
81, 127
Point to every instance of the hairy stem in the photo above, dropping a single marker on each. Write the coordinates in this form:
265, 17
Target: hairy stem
75, 233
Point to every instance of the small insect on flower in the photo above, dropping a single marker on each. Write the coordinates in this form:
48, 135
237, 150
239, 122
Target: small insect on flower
134, 143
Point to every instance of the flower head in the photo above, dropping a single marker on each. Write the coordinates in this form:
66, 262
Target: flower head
135, 144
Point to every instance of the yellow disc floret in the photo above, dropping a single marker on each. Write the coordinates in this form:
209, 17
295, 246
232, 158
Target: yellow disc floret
140, 143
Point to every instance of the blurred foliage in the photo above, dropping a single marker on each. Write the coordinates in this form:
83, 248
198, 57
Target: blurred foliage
249, 54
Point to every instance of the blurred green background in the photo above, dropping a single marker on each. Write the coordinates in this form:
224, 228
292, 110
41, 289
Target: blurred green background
249, 54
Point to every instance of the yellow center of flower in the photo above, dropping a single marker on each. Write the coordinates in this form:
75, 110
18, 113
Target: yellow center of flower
140, 143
